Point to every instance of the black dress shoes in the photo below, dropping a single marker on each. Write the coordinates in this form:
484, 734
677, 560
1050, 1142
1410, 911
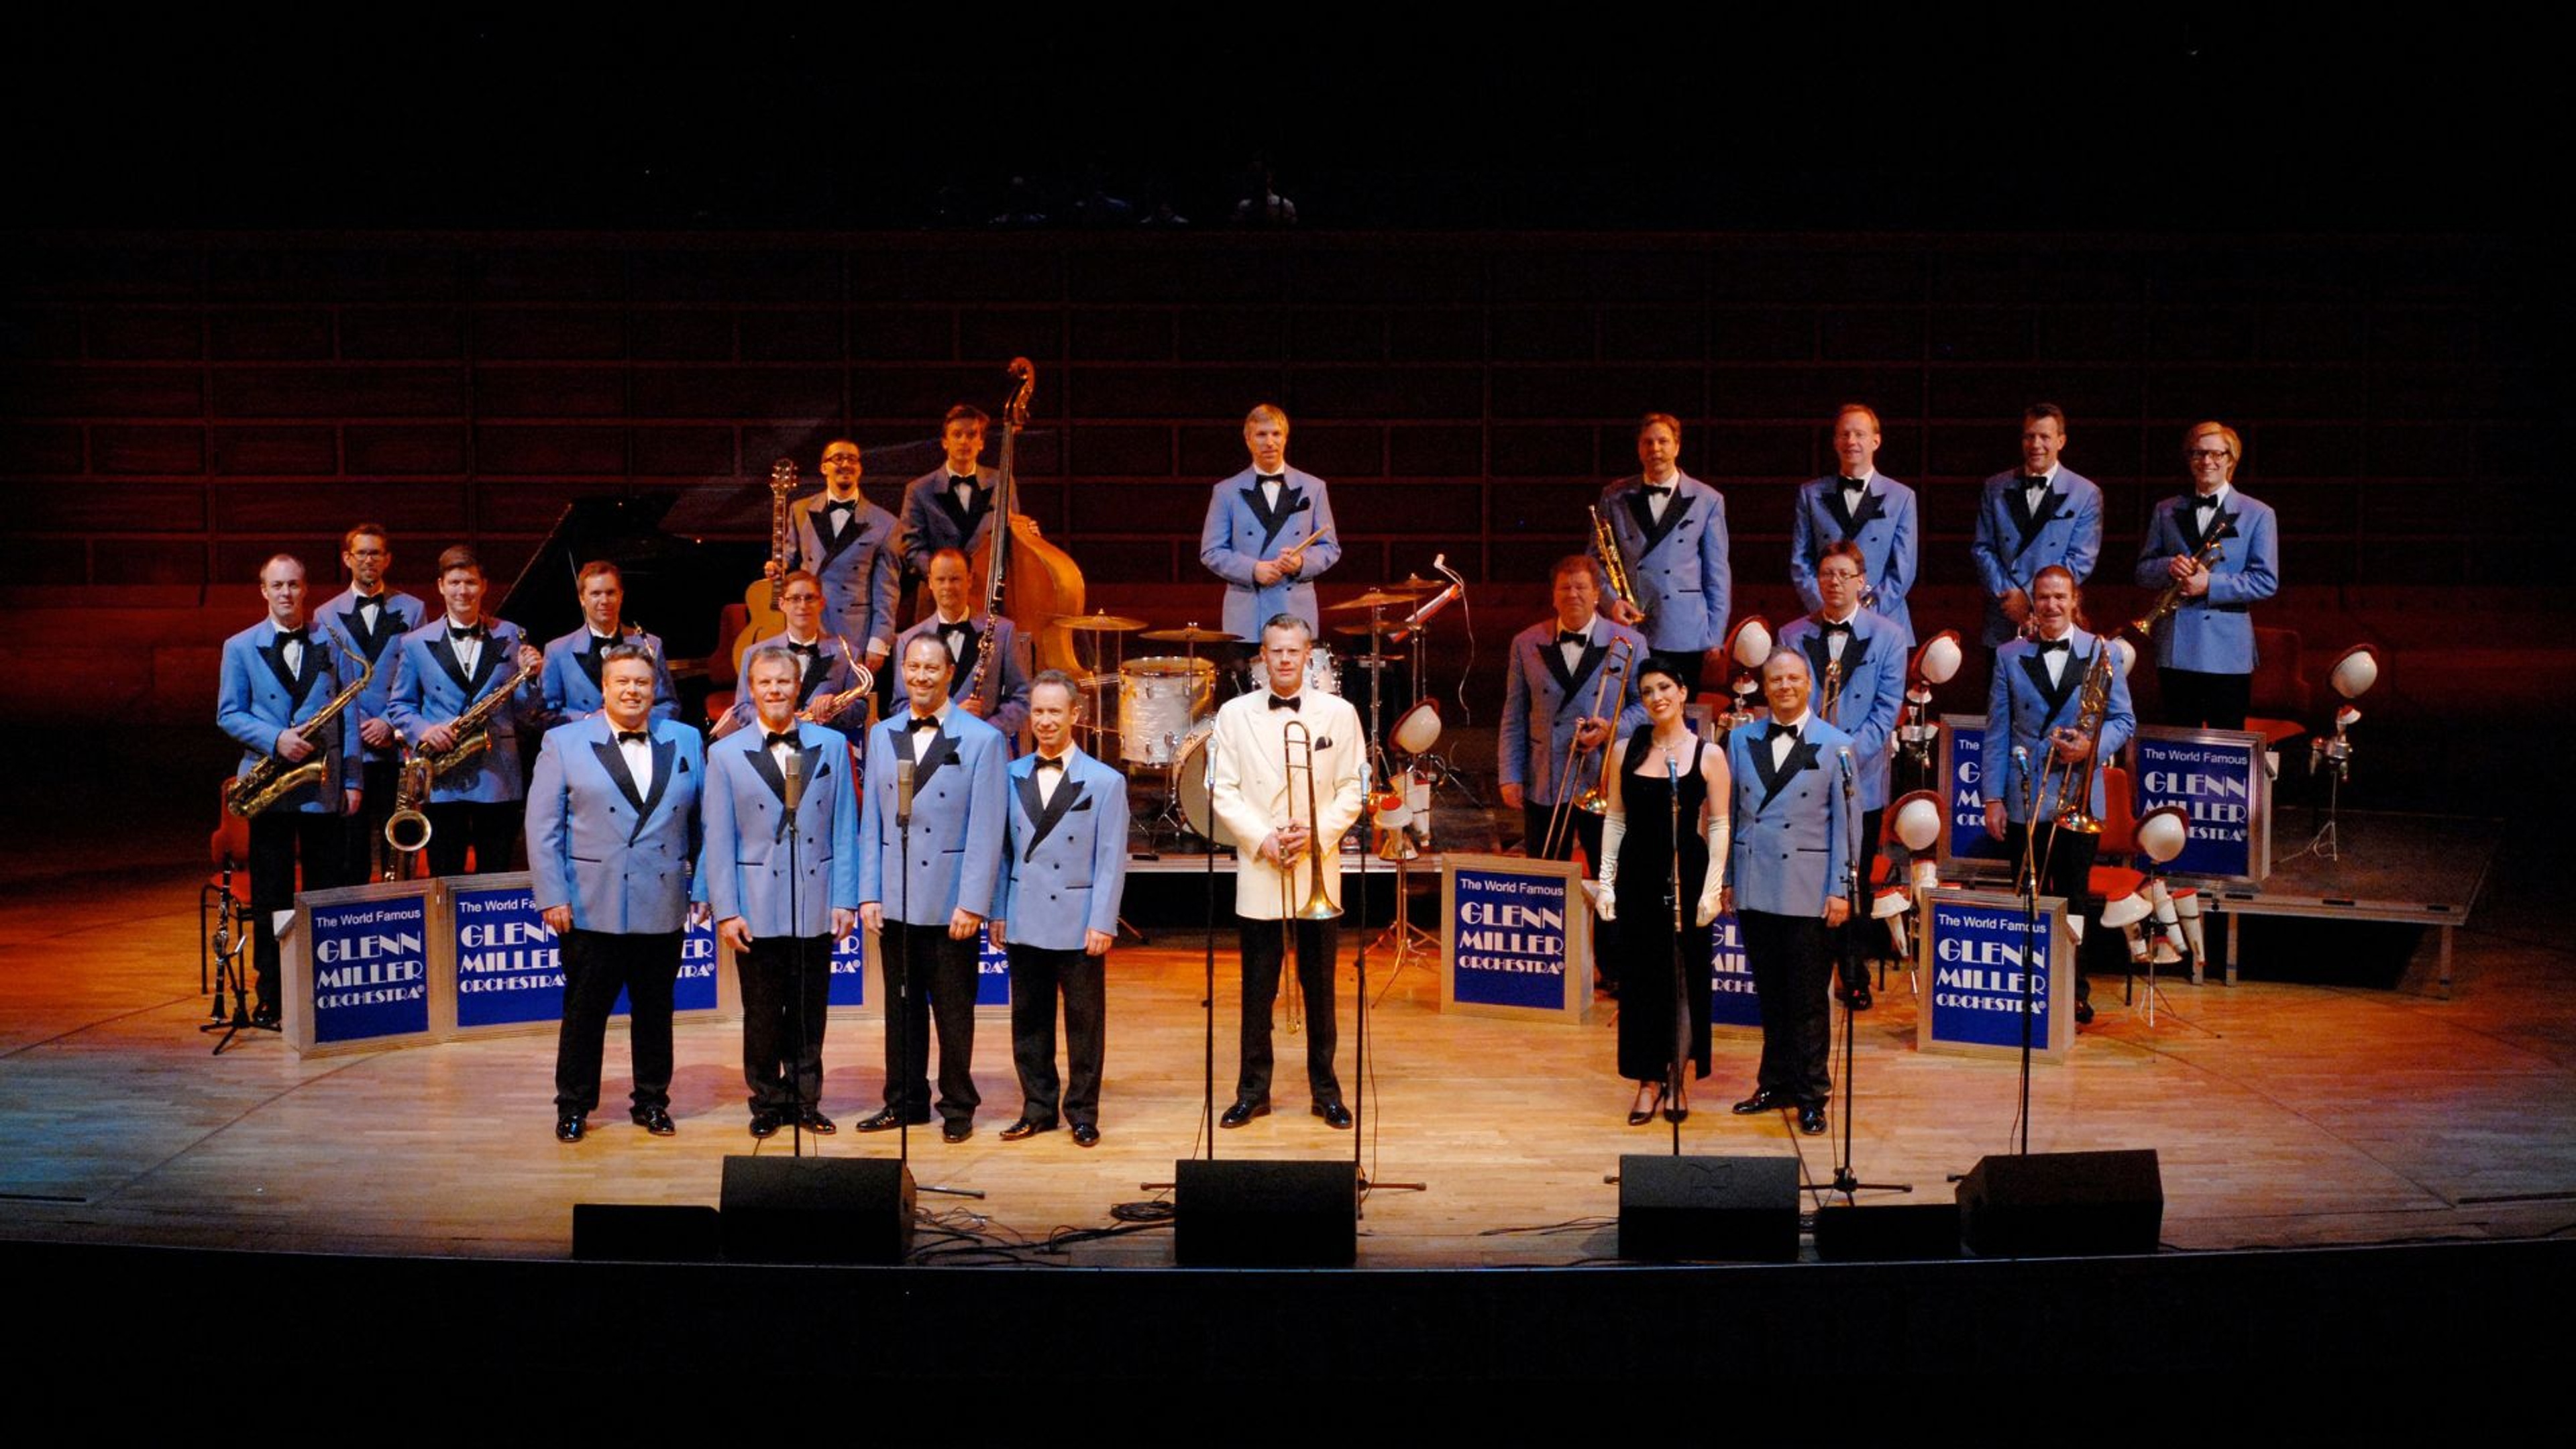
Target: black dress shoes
1085, 1135
1811, 1119
764, 1124
1242, 1112
957, 1131
1024, 1129
654, 1120
2084, 1013
264, 1016
813, 1120
1335, 1115
888, 1120
1759, 1103
568, 1126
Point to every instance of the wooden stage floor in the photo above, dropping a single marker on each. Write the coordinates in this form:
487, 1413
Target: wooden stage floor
2285, 1114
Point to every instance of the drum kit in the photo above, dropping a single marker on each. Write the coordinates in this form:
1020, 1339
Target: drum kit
1166, 705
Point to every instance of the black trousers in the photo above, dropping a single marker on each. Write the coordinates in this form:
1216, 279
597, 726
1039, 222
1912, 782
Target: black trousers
2190, 699
1317, 944
1791, 964
946, 983
1037, 975
782, 1036
277, 837
597, 965
1852, 940
2068, 872
380, 779
492, 830
1586, 829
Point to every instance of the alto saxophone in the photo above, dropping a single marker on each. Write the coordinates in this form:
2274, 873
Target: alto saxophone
272, 779
407, 830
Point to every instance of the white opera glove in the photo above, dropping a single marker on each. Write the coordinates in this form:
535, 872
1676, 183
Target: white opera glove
1714, 886
1614, 828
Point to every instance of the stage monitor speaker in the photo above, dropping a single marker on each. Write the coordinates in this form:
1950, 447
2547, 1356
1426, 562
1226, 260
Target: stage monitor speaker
817, 1210
2062, 1204
1237, 1213
1887, 1232
619, 1232
1742, 1209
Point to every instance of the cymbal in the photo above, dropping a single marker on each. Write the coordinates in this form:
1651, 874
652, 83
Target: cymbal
1103, 623
1372, 629
1193, 634
1373, 599
1428, 586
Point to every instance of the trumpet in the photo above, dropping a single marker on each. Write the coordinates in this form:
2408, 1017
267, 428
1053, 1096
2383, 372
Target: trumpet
1595, 800
1293, 740
865, 685
2211, 550
1606, 543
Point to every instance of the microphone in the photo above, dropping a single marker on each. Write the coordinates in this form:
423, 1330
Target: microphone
1845, 754
794, 770
902, 793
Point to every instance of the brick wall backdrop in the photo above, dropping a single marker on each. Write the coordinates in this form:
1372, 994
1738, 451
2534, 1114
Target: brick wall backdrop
174, 408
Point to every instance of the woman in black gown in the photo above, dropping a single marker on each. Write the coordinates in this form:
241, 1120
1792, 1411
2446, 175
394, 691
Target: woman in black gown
1662, 760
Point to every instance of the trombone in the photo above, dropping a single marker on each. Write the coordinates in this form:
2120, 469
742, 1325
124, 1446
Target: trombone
2074, 795
1293, 741
1596, 800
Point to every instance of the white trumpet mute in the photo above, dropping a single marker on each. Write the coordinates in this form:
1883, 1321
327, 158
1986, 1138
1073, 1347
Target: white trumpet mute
1918, 820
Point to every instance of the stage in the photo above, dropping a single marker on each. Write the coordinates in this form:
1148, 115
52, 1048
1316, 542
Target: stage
2284, 1114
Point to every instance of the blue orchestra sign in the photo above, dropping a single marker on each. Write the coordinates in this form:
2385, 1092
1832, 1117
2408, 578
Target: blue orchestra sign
509, 967
1731, 998
850, 970
370, 962
696, 988
1508, 938
2218, 780
992, 970
1984, 955
1963, 785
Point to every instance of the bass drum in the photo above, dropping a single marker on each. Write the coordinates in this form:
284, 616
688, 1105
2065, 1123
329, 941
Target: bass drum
1193, 786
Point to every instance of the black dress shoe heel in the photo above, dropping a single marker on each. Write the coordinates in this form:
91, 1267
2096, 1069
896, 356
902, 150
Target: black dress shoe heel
1642, 1111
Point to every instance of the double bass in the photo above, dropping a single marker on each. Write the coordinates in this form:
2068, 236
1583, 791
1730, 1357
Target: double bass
1026, 579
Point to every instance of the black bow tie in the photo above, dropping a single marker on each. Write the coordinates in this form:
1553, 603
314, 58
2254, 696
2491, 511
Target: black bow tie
923, 722
1568, 636
2205, 500
961, 480
635, 737
1268, 478
2052, 646
301, 634
2027, 481
1278, 703
812, 650
842, 505
1046, 764
475, 632
373, 602
1780, 731
773, 739
1659, 490
1854, 485
1833, 628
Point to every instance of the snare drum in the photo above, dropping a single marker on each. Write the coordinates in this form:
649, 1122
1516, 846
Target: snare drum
1196, 808
1159, 699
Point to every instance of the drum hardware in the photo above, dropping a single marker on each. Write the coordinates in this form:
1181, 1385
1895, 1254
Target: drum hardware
1748, 645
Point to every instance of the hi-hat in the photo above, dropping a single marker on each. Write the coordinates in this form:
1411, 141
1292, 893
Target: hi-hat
1103, 623
1192, 634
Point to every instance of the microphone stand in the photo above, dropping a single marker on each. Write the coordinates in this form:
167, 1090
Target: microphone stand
1673, 1110
1846, 1180
2029, 926
903, 997
1207, 1000
794, 775
1359, 1056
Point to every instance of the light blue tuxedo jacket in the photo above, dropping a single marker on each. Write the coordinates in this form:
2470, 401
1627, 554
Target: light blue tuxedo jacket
256, 700
2022, 707
400, 615
1791, 838
1005, 690
860, 567
1240, 533
1066, 866
1884, 526
745, 869
2213, 634
618, 856
430, 689
958, 833
1544, 701
1679, 566
1872, 691
932, 520
2012, 545
571, 678
828, 671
